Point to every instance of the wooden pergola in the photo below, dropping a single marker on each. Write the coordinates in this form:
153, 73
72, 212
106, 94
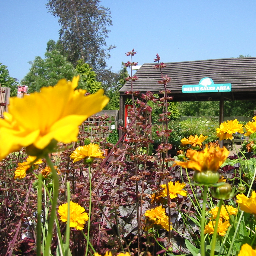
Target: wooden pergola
239, 72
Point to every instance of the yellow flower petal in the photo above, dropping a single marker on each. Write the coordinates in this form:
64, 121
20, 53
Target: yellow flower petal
228, 128
52, 114
246, 250
211, 158
91, 150
78, 216
222, 227
247, 204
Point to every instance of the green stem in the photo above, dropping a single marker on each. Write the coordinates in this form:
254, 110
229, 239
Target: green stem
68, 221
205, 189
191, 187
90, 208
88, 241
39, 212
59, 235
216, 228
54, 205
242, 213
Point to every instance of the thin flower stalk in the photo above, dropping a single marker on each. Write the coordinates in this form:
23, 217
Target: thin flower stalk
39, 212
213, 243
242, 213
194, 195
131, 64
90, 209
68, 221
54, 205
205, 190
164, 120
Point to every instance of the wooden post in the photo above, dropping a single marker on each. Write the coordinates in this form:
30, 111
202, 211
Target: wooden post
221, 116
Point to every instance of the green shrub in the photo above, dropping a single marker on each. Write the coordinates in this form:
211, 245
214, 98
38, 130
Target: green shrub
191, 126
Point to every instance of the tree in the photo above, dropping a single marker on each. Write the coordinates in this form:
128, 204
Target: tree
199, 108
83, 30
113, 86
7, 81
239, 108
87, 77
48, 71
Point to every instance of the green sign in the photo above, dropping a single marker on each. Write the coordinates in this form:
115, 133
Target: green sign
206, 85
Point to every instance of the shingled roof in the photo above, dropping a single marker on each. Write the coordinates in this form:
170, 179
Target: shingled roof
240, 72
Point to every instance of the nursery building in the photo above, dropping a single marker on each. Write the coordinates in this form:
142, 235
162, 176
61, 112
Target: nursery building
203, 80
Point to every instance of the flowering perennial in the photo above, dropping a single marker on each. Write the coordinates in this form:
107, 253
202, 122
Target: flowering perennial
108, 253
91, 150
21, 170
45, 117
225, 211
47, 171
246, 250
210, 158
78, 216
228, 128
250, 127
222, 227
194, 140
247, 204
159, 217
174, 190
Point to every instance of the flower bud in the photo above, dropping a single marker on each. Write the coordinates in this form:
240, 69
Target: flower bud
241, 188
206, 177
88, 160
223, 191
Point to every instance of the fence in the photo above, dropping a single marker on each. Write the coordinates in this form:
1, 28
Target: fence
216, 118
101, 124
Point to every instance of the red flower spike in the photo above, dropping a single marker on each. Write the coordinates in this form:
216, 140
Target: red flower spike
131, 53
134, 78
157, 58
165, 80
161, 65
128, 64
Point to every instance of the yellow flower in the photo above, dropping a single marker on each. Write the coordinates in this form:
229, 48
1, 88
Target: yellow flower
108, 253
194, 140
250, 127
228, 128
246, 250
31, 160
223, 212
174, 189
20, 172
222, 179
210, 158
91, 150
47, 170
78, 216
51, 115
159, 217
222, 227
247, 204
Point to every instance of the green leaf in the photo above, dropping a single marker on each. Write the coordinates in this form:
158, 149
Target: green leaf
195, 251
59, 253
195, 221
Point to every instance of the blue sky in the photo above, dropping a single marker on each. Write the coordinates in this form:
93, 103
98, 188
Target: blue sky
181, 30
